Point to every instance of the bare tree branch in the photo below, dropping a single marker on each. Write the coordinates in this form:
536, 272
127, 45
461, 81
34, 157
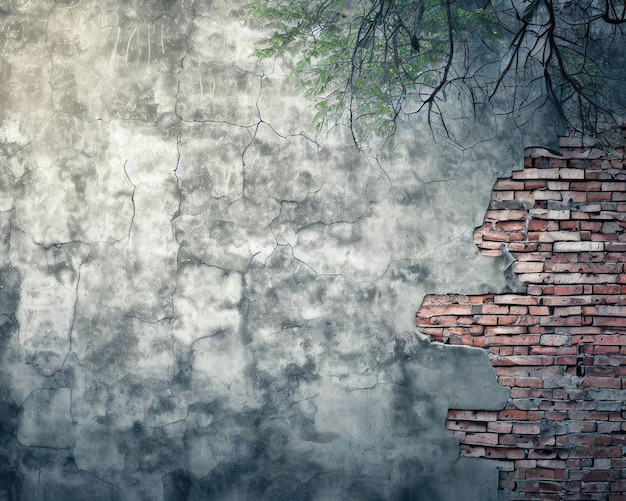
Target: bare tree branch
365, 59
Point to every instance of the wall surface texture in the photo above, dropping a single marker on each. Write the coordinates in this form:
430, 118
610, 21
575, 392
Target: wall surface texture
201, 300
560, 347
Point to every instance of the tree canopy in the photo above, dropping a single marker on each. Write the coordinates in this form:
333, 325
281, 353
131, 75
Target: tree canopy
375, 61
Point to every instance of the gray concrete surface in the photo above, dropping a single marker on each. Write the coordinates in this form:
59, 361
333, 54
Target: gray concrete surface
199, 299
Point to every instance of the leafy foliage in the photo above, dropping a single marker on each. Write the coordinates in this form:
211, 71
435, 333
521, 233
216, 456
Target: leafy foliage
374, 60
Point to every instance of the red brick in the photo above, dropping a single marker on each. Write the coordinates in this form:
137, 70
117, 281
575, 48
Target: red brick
472, 426
504, 215
585, 439
543, 350
584, 267
594, 487
522, 247
499, 427
571, 174
585, 278
598, 196
507, 440
604, 237
612, 186
561, 321
556, 416
568, 290
486, 415
605, 350
512, 414
573, 265
534, 184
522, 360
595, 452
540, 474
512, 227
533, 173
542, 194
601, 382
491, 239
515, 299
535, 486
564, 311
472, 451
494, 309
585, 186
538, 290
495, 453
497, 196
486, 319
598, 476
438, 299
610, 321
526, 428
553, 464
618, 486
527, 266
525, 464
531, 382
445, 309
445, 321
538, 225
528, 371
461, 414
514, 453
572, 463
481, 438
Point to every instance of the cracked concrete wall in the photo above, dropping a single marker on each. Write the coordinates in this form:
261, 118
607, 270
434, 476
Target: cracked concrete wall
199, 300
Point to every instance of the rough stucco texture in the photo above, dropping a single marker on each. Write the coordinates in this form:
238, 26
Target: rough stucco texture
197, 300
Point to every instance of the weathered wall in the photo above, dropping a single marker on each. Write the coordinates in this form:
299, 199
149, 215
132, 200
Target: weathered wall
199, 301
559, 347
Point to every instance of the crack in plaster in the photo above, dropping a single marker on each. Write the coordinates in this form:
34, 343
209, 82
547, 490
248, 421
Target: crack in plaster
177, 171
427, 251
132, 199
183, 420
138, 318
71, 329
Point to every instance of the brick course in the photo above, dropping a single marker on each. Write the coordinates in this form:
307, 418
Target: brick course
561, 346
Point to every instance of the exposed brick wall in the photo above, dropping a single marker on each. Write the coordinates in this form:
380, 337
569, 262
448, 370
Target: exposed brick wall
561, 347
